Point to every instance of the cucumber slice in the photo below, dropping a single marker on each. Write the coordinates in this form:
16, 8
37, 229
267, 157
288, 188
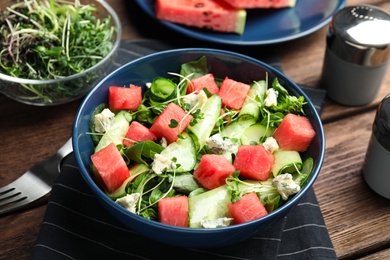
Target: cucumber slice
234, 130
251, 108
308, 166
135, 171
196, 192
117, 131
203, 128
307, 169
254, 133
208, 205
184, 151
286, 162
162, 89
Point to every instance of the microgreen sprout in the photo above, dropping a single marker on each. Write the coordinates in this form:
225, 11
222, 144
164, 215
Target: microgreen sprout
52, 39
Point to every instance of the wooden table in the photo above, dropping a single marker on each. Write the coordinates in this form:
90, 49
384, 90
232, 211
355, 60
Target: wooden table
358, 220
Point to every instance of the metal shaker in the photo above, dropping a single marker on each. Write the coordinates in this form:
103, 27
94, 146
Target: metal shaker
376, 166
357, 54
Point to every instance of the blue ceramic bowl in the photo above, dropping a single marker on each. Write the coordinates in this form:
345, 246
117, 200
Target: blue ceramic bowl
222, 63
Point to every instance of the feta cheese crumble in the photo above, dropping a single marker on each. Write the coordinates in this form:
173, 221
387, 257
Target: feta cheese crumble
271, 144
272, 97
285, 185
164, 142
218, 145
162, 163
129, 201
215, 223
104, 120
195, 100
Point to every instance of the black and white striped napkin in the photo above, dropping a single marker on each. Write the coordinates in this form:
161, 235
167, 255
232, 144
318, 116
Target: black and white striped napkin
75, 225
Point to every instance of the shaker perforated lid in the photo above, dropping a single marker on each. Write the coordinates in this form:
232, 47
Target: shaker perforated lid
361, 35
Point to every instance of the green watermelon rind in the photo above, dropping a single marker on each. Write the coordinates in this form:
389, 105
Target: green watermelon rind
241, 21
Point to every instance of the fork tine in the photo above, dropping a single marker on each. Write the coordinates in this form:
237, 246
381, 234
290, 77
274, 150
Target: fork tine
19, 194
12, 199
9, 194
32, 187
5, 189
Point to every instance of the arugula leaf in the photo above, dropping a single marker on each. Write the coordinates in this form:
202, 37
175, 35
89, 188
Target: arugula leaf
149, 213
185, 183
287, 103
152, 188
144, 115
142, 152
158, 193
272, 116
266, 191
197, 68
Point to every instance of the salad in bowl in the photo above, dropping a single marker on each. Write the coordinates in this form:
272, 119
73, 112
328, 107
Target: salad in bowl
190, 146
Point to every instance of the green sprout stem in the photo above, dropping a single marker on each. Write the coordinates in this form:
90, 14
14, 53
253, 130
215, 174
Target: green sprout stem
51, 39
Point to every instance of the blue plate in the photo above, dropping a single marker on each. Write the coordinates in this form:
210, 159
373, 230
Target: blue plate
265, 26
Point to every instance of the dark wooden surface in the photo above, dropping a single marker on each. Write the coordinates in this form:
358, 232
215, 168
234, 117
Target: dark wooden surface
358, 220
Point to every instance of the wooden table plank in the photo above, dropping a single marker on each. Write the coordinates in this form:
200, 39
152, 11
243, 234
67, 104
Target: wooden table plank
384, 254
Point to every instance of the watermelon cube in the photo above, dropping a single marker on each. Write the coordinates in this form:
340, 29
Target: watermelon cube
111, 167
121, 98
248, 208
206, 81
215, 15
173, 211
136, 133
294, 133
233, 93
254, 162
212, 171
248, 4
162, 126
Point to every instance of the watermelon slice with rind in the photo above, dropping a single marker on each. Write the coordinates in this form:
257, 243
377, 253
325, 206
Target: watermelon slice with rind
216, 15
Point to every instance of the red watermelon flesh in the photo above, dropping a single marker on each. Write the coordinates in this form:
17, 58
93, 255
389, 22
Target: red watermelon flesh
173, 211
111, 167
294, 133
254, 162
212, 171
162, 125
233, 93
261, 3
206, 81
136, 133
121, 98
248, 208
215, 15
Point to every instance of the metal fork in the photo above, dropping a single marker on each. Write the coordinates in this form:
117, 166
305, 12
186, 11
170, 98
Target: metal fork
34, 184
